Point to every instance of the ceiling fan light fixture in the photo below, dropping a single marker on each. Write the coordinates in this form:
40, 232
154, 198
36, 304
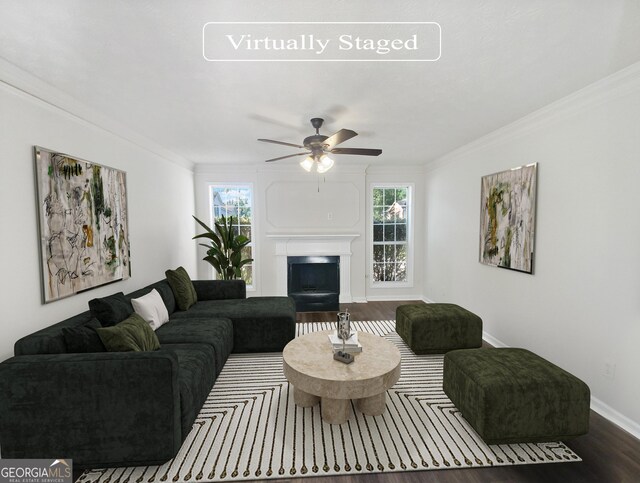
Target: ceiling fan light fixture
325, 163
307, 163
318, 144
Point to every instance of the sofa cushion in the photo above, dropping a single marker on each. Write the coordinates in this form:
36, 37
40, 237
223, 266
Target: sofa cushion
260, 324
151, 308
216, 332
132, 334
163, 288
83, 338
50, 339
111, 310
182, 287
196, 376
220, 289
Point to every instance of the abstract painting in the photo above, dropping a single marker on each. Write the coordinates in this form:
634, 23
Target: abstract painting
507, 218
84, 236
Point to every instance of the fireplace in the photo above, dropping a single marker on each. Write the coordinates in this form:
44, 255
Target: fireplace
313, 245
314, 282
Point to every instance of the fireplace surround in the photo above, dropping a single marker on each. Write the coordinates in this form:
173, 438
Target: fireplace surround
314, 245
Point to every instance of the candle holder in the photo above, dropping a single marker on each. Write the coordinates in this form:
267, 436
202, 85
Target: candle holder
344, 332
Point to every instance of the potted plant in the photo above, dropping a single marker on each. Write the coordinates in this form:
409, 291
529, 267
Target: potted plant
225, 250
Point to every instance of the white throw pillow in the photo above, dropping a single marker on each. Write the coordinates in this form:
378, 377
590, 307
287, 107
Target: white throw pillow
152, 309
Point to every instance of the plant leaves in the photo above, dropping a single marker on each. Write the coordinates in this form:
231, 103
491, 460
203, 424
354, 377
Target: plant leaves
225, 251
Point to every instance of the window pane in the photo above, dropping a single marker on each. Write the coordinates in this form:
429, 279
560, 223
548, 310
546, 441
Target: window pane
245, 214
377, 233
247, 274
378, 197
401, 272
378, 214
401, 232
246, 252
246, 231
389, 196
378, 253
389, 253
389, 272
389, 232
401, 253
232, 211
378, 272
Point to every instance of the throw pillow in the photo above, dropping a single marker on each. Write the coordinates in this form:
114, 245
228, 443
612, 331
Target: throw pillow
182, 287
151, 308
111, 310
83, 338
132, 334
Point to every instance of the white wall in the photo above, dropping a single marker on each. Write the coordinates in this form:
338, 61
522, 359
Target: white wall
582, 305
160, 200
289, 200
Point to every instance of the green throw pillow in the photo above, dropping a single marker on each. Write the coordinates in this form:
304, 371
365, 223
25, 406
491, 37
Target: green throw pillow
182, 287
132, 334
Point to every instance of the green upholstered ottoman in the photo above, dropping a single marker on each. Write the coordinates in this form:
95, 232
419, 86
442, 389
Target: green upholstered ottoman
438, 328
514, 396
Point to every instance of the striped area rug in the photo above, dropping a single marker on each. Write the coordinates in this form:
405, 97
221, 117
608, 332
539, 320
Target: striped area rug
249, 428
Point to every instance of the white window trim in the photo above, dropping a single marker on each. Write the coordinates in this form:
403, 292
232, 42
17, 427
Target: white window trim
211, 184
410, 238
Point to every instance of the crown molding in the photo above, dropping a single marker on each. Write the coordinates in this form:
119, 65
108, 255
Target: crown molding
32, 87
235, 169
614, 86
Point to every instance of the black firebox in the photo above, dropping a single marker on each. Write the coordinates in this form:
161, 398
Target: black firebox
314, 283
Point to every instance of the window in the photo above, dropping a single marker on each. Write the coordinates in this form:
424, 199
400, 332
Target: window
391, 233
236, 201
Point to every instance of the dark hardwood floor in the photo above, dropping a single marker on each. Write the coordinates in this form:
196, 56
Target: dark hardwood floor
609, 454
368, 311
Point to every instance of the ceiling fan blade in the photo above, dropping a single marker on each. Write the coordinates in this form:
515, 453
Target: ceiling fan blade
360, 151
285, 157
341, 136
280, 142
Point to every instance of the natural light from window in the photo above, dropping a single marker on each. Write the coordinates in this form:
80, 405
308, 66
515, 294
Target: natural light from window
236, 201
390, 239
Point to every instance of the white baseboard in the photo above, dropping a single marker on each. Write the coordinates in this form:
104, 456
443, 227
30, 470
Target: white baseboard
619, 419
604, 410
426, 300
492, 340
359, 300
392, 298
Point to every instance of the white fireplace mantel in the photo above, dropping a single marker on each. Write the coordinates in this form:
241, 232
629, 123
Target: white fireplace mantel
310, 244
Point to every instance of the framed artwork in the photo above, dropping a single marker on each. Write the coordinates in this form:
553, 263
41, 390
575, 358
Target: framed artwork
84, 235
507, 218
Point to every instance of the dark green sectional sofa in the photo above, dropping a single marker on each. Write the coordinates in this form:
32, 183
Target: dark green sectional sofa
131, 408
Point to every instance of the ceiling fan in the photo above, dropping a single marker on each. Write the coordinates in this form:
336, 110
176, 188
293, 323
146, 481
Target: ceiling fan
319, 146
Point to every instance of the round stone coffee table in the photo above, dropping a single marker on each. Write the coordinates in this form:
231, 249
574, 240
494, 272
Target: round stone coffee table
309, 366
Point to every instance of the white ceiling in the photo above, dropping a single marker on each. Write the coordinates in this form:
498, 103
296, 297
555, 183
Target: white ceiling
139, 62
